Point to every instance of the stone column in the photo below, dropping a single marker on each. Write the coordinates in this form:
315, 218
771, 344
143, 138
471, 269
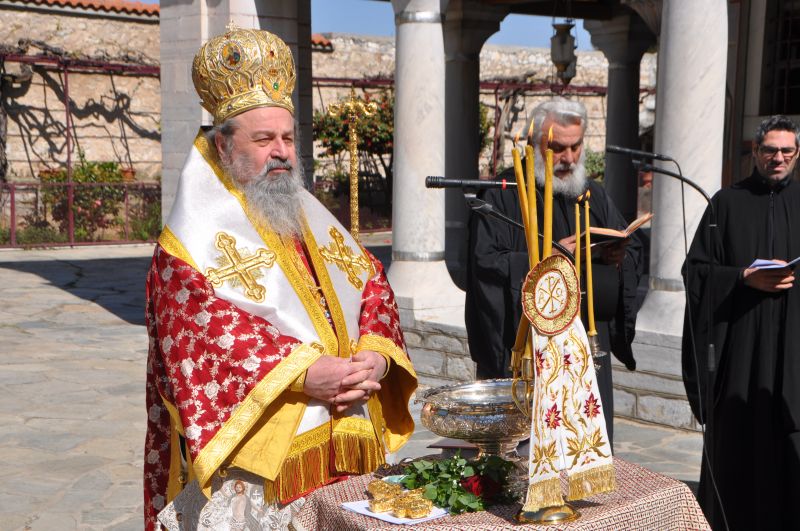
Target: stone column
467, 25
623, 40
184, 28
689, 127
418, 273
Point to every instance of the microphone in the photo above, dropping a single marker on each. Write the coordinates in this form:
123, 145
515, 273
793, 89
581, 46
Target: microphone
433, 181
637, 153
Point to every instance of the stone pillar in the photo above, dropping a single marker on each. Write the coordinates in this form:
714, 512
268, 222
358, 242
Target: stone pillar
689, 126
418, 273
623, 40
467, 25
184, 28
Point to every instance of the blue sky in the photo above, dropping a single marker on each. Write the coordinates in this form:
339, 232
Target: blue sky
377, 18
368, 17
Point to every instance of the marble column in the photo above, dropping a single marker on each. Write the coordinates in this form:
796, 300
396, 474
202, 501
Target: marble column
468, 23
623, 40
185, 26
690, 122
418, 273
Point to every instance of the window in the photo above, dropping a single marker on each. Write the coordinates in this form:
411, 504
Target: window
781, 67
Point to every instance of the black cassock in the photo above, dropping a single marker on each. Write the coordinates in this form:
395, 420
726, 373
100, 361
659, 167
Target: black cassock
753, 432
498, 263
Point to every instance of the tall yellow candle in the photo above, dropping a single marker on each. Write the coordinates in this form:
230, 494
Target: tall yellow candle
589, 290
523, 200
578, 238
533, 218
547, 244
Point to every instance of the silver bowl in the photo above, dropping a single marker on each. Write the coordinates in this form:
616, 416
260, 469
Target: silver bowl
481, 412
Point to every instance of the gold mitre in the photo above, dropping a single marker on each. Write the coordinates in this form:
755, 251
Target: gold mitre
241, 70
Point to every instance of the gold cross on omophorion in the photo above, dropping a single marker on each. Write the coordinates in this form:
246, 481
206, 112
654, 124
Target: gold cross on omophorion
354, 108
236, 268
340, 254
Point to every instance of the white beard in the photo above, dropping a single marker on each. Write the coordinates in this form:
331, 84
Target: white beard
570, 186
273, 201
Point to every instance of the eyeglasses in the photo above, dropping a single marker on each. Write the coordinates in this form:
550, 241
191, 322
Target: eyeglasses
771, 151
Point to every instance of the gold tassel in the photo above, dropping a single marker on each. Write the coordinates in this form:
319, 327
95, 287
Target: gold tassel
356, 453
546, 493
299, 473
589, 482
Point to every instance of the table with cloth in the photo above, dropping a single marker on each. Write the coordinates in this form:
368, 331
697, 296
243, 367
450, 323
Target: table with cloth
643, 500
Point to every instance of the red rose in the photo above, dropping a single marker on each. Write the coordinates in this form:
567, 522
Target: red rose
482, 486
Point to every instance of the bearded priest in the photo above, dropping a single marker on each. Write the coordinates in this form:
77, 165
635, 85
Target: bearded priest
276, 361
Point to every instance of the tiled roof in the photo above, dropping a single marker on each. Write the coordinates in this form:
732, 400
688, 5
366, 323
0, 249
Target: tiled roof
321, 42
109, 6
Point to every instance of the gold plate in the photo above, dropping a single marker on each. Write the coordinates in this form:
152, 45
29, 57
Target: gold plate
551, 296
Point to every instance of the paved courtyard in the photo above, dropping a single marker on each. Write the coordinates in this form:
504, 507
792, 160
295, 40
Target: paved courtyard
73, 349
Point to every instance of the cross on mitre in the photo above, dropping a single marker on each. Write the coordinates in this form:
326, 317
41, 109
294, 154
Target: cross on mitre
236, 268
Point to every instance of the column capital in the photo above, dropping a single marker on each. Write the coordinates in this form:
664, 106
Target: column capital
467, 24
650, 11
623, 39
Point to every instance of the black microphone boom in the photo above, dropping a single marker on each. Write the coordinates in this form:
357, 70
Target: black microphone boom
432, 181
635, 153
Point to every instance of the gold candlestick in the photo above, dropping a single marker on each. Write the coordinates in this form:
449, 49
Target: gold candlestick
354, 108
547, 244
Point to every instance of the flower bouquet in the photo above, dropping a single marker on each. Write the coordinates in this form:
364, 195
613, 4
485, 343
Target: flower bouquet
460, 485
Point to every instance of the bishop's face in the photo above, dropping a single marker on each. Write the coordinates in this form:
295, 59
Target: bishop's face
776, 155
264, 139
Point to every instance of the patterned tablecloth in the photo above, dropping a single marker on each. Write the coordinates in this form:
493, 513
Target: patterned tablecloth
643, 500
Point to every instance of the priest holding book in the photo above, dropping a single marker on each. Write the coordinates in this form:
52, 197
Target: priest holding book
746, 390
499, 261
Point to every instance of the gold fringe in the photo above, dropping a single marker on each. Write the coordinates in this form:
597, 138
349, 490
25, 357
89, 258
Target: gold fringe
356, 453
589, 482
542, 494
308, 464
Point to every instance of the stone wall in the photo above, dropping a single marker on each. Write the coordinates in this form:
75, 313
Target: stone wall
362, 57
114, 117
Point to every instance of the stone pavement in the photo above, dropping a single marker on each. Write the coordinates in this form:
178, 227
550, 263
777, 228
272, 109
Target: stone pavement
73, 349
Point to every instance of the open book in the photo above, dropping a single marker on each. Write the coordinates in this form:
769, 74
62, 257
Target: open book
603, 236
769, 264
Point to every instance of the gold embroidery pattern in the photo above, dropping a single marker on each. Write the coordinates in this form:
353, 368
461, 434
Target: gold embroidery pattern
237, 267
242, 419
388, 347
550, 295
342, 256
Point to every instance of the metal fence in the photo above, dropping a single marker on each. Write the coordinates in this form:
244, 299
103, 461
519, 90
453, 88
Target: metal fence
34, 214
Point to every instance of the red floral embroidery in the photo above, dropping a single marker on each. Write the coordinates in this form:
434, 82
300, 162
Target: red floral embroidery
539, 362
552, 418
591, 408
567, 360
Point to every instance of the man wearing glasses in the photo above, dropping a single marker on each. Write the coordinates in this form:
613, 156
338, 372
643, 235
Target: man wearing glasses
748, 390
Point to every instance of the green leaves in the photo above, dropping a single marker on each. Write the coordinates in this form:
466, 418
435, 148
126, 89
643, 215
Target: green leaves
445, 480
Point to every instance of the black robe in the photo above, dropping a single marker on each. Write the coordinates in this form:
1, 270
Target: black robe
753, 431
498, 263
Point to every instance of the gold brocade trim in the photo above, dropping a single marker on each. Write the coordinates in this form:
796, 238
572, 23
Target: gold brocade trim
331, 298
542, 494
315, 312
240, 267
388, 347
170, 243
173, 413
214, 453
590, 482
176, 480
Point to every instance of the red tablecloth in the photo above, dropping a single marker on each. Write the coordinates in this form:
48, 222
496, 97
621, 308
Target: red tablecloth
643, 500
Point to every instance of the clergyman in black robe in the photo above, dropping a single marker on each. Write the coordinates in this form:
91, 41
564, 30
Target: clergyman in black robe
498, 260
753, 424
